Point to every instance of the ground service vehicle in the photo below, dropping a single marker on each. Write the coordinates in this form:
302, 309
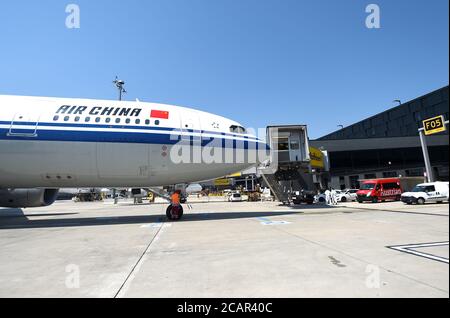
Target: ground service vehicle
377, 190
300, 197
427, 192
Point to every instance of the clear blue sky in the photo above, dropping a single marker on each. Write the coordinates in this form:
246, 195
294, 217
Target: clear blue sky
260, 62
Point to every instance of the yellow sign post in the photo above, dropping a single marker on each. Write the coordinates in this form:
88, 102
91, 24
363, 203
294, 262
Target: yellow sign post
430, 126
434, 125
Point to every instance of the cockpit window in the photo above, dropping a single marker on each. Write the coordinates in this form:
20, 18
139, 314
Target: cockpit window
237, 129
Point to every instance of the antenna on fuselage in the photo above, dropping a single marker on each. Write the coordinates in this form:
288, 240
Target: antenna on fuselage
119, 85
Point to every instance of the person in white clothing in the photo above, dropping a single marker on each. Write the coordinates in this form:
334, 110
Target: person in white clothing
333, 197
328, 196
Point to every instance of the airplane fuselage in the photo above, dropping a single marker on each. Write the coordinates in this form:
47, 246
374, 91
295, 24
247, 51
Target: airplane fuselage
57, 142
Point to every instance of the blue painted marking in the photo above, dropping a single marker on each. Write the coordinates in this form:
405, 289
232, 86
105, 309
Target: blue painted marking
127, 137
132, 127
266, 221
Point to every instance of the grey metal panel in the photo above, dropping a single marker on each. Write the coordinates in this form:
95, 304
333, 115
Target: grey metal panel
433, 99
378, 143
414, 106
409, 114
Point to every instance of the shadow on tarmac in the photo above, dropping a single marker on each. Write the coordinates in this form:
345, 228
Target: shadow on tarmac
19, 213
310, 206
23, 222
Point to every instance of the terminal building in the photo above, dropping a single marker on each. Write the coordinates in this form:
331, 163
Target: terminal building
388, 144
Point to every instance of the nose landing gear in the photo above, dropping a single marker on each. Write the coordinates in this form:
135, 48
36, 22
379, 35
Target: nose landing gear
174, 212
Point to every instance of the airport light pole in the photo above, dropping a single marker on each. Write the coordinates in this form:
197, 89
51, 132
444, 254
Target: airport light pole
119, 84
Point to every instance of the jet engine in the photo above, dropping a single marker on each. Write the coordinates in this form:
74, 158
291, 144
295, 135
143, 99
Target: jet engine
27, 198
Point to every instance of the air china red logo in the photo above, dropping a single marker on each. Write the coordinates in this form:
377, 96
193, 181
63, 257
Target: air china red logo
160, 114
388, 193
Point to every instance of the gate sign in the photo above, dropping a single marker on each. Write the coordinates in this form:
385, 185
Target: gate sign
434, 125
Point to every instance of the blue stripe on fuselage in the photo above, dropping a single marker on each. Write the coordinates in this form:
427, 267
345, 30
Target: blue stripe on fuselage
132, 137
79, 125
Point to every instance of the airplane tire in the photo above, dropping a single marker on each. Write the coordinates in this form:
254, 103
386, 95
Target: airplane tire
174, 215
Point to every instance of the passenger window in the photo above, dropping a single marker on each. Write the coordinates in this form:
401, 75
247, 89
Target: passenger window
156, 122
295, 145
117, 120
138, 121
282, 144
97, 120
66, 118
55, 118
107, 120
390, 186
147, 121
77, 119
128, 121
430, 189
87, 119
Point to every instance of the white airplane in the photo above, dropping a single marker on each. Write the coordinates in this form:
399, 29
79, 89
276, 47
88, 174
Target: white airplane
51, 143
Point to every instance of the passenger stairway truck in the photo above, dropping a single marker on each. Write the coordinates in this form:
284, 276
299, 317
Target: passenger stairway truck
279, 192
288, 173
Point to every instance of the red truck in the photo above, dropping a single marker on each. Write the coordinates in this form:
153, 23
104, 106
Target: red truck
377, 190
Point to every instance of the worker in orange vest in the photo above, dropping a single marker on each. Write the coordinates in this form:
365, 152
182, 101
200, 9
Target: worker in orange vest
176, 197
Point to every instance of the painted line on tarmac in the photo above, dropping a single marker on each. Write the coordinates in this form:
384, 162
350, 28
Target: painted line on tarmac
409, 249
135, 270
395, 211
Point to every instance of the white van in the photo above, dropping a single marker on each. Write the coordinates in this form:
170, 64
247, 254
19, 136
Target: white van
427, 192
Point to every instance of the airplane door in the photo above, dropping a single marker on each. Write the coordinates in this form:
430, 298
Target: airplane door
24, 124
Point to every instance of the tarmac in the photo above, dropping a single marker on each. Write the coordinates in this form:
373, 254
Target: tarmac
221, 249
